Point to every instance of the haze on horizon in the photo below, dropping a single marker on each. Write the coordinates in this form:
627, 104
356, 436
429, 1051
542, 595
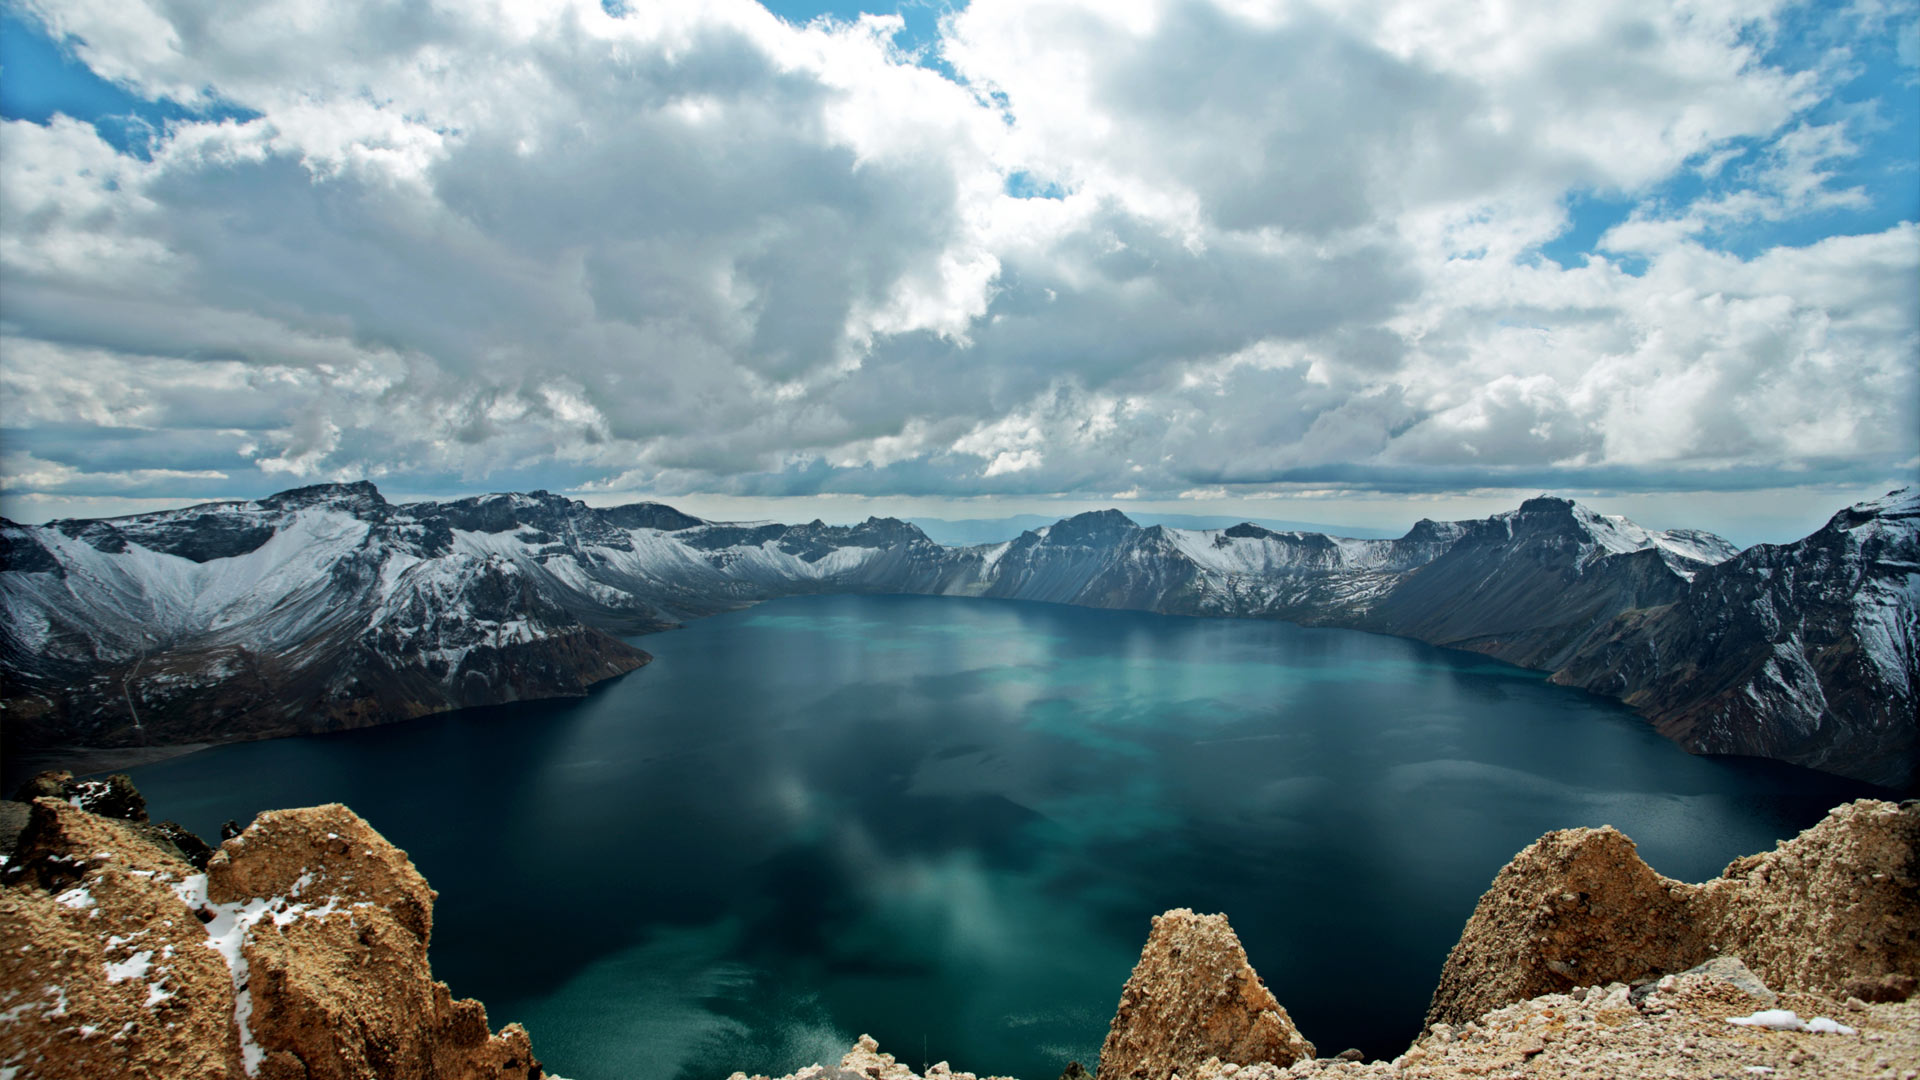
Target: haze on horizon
1341, 262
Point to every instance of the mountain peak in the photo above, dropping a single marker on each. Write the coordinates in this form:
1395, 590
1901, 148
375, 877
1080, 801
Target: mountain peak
1550, 504
649, 515
1091, 527
1898, 509
1900, 502
358, 496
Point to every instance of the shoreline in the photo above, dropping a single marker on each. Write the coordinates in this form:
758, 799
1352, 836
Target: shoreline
84, 761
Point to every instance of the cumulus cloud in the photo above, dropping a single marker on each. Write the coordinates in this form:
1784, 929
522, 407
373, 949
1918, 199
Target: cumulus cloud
693, 248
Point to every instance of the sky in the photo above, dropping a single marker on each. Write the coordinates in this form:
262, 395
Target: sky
1362, 261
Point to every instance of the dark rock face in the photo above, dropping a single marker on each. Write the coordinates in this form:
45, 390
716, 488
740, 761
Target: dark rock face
360, 498
1531, 587
21, 553
649, 516
1803, 652
114, 797
1094, 528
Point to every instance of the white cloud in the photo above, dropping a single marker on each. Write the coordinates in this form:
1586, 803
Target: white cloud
698, 249
24, 471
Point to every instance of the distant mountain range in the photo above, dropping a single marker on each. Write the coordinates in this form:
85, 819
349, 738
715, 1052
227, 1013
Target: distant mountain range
968, 532
328, 607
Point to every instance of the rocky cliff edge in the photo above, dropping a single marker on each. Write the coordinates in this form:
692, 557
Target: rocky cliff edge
299, 952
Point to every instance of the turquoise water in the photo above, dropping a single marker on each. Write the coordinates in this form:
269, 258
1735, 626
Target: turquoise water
947, 823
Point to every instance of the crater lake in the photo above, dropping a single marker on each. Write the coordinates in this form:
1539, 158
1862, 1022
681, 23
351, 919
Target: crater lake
948, 822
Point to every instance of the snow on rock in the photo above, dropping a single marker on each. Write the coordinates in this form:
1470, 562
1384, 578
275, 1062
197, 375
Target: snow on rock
133, 967
300, 951
1788, 1020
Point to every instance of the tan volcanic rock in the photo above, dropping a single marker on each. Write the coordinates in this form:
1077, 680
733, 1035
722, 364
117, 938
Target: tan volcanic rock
1193, 996
301, 953
1577, 906
103, 970
1834, 911
1679, 1031
1830, 911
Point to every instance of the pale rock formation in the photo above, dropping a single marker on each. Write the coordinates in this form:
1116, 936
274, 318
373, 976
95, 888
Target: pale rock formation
1834, 911
300, 953
866, 1062
1678, 1030
1193, 996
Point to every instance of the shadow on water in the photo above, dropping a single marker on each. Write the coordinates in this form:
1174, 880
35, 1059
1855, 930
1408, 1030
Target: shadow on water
949, 821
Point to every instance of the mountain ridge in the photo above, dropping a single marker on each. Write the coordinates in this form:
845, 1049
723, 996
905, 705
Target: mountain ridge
328, 606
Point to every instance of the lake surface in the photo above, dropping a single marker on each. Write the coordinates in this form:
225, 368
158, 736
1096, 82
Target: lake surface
947, 822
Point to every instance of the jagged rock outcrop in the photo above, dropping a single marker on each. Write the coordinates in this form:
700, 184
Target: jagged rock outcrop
1835, 911
300, 954
1193, 996
114, 797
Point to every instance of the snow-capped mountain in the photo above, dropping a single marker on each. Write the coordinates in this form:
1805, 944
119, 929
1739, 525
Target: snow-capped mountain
315, 609
328, 606
1532, 585
1104, 559
1804, 652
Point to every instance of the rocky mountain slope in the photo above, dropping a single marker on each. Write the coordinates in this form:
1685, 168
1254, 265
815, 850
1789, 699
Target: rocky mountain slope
1808, 652
1530, 587
329, 607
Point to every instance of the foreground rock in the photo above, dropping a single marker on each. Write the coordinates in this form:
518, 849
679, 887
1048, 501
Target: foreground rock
1834, 911
301, 952
1193, 996
866, 1062
114, 797
1680, 1030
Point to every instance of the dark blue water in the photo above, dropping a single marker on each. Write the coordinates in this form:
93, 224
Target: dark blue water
947, 823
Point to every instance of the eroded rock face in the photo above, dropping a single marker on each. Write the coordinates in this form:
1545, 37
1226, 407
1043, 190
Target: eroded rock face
1192, 997
104, 971
1835, 906
1832, 912
1576, 907
300, 953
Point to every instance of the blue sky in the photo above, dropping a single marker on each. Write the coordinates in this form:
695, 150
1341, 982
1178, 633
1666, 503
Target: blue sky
1287, 259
